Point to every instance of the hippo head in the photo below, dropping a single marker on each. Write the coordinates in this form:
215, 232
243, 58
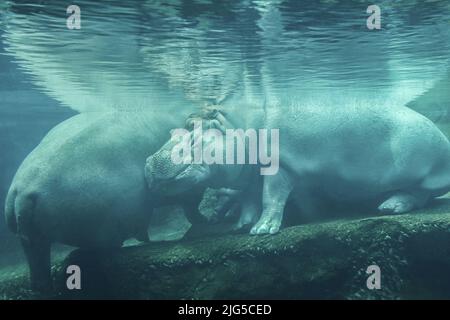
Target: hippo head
168, 176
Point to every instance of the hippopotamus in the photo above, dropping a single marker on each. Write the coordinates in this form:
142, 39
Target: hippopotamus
84, 185
388, 158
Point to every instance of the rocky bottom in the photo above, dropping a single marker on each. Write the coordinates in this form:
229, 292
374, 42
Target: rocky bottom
314, 261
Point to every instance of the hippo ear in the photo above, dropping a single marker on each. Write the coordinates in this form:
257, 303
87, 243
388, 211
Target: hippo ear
210, 112
190, 120
214, 112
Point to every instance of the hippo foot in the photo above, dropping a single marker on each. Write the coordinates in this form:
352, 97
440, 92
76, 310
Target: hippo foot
245, 220
397, 204
266, 225
239, 225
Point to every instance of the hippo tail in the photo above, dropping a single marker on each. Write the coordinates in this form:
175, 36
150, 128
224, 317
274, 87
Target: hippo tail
10, 215
19, 212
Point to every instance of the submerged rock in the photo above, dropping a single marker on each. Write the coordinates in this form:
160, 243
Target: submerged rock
324, 261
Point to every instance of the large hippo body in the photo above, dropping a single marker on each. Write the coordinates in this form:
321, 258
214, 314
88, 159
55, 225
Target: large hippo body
84, 186
394, 157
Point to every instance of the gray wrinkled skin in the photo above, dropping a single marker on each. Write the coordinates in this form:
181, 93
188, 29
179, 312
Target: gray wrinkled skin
392, 156
84, 185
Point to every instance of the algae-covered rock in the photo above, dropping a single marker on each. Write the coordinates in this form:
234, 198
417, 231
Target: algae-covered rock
326, 261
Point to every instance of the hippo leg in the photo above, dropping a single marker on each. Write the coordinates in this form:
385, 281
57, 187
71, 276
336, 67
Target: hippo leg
190, 206
276, 190
249, 213
402, 202
227, 204
37, 252
251, 204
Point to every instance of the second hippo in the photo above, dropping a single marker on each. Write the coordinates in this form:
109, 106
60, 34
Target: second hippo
392, 157
84, 185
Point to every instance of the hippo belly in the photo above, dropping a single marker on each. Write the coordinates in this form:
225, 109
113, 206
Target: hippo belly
376, 153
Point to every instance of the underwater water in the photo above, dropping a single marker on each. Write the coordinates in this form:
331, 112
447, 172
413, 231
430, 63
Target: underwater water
138, 58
